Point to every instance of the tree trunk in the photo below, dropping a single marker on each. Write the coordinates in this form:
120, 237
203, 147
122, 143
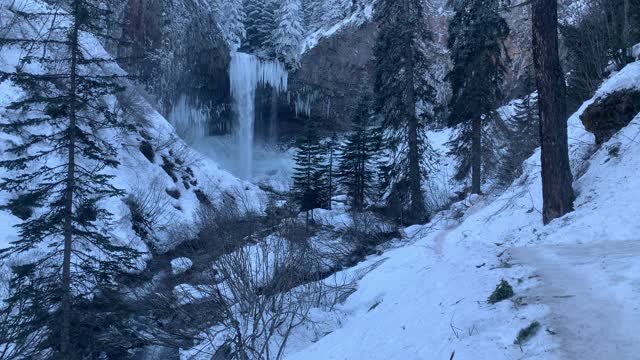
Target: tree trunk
476, 155
557, 180
415, 175
330, 177
65, 341
626, 30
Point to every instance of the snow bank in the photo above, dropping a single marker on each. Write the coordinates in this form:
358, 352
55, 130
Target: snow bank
181, 265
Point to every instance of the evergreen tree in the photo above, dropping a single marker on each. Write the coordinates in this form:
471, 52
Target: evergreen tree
312, 13
308, 182
401, 84
231, 19
475, 35
260, 23
522, 140
329, 170
289, 32
335, 10
61, 168
357, 163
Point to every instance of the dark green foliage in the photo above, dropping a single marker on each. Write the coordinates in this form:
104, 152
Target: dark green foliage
61, 167
475, 35
502, 292
402, 74
357, 164
23, 205
527, 333
259, 25
522, 139
308, 185
476, 32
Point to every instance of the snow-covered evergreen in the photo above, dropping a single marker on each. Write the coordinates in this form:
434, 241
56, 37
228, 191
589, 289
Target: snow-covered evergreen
231, 19
289, 31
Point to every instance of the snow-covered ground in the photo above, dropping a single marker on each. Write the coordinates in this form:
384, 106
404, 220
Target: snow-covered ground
579, 276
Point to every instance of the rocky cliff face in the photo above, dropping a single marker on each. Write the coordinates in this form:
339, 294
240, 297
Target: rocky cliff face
178, 51
335, 75
338, 71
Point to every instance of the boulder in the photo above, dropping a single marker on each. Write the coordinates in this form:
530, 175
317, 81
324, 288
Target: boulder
610, 113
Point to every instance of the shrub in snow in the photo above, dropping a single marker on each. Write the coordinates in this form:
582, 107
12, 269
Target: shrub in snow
502, 292
527, 333
181, 265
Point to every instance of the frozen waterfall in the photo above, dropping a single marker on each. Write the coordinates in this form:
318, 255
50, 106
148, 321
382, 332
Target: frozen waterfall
246, 73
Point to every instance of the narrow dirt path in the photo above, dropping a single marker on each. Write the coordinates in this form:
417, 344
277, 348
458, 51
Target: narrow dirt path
593, 291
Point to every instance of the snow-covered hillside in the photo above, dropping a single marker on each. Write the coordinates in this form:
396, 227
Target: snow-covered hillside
578, 277
155, 163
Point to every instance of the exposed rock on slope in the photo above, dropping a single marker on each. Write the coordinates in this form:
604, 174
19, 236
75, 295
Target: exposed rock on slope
611, 113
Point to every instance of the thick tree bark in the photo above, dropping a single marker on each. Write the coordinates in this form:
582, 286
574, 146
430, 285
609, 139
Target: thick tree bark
418, 211
476, 156
65, 340
557, 180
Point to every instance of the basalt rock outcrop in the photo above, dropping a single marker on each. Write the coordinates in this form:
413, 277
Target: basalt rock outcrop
176, 50
609, 114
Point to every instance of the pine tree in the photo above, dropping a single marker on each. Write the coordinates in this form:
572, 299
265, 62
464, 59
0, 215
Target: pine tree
523, 139
328, 170
401, 74
335, 10
260, 23
475, 34
289, 32
231, 19
312, 13
308, 182
357, 163
61, 166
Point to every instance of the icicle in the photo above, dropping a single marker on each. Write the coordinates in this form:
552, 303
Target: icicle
246, 73
189, 119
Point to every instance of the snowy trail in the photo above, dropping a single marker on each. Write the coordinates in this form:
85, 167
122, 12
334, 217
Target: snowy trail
593, 291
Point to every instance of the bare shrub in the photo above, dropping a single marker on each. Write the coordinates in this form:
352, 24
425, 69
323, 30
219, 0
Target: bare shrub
148, 206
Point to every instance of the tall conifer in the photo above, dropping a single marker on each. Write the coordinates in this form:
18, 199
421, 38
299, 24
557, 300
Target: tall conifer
60, 167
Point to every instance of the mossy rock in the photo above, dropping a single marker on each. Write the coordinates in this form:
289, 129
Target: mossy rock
502, 292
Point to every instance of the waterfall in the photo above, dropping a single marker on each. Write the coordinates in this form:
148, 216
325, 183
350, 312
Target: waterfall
246, 73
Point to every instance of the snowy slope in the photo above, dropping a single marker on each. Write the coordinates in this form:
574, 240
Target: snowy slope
427, 298
356, 18
136, 174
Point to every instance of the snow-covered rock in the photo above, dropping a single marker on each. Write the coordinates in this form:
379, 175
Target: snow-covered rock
181, 265
635, 51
